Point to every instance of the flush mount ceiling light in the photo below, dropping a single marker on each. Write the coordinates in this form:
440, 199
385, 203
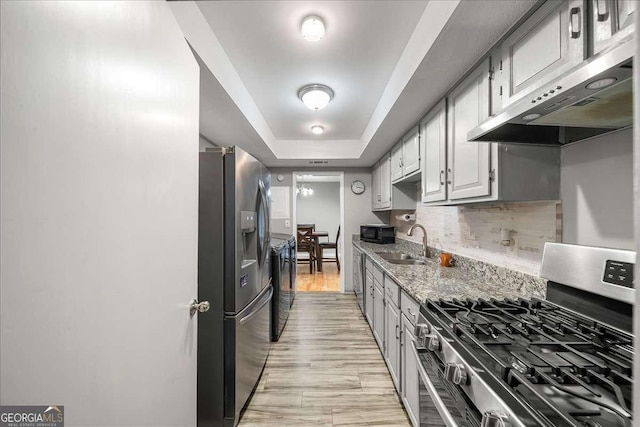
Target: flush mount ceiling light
601, 83
317, 129
315, 96
312, 28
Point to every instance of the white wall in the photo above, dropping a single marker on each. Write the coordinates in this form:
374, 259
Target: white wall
322, 208
205, 143
99, 189
597, 191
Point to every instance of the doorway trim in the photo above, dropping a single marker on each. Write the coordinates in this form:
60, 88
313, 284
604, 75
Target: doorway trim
294, 219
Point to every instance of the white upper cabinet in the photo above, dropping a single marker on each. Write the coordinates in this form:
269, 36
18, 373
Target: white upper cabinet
550, 42
396, 162
612, 20
385, 182
411, 152
469, 163
405, 157
386, 196
376, 196
434, 146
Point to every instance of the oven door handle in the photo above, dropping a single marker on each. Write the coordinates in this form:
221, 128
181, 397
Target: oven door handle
448, 419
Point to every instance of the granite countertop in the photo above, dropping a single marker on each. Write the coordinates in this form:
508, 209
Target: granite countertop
474, 279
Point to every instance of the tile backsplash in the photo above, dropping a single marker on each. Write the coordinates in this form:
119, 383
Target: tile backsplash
474, 231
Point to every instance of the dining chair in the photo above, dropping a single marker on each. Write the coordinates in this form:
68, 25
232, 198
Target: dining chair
306, 246
333, 255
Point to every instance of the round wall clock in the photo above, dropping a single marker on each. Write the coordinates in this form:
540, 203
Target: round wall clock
357, 187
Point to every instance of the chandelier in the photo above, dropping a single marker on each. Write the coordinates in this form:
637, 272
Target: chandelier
304, 189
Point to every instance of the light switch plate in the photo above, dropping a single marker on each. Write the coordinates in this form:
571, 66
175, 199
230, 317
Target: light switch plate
287, 223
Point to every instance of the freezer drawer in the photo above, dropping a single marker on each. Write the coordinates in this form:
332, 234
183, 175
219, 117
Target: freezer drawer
252, 332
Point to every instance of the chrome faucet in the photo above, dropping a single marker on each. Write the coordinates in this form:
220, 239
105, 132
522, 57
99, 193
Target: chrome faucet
425, 252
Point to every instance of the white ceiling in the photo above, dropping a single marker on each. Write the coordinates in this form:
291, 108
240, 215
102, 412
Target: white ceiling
387, 61
363, 42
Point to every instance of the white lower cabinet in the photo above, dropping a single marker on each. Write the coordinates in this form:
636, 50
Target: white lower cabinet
378, 313
368, 295
391, 313
392, 340
409, 373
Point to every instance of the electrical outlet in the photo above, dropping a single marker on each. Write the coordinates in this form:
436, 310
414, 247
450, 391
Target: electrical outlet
287, 223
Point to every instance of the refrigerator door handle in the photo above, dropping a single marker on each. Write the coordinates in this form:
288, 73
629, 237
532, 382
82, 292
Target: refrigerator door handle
264, 247
257, 309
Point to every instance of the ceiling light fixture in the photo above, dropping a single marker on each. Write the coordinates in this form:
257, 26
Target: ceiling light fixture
317, 129
312, 28
315, 96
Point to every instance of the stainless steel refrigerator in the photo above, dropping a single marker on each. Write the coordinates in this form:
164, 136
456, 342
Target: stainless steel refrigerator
234, 275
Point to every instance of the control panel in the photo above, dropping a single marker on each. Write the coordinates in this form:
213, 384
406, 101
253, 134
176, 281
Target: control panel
618, 273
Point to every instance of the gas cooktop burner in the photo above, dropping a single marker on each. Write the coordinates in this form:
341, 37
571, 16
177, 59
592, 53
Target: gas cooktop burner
570, 368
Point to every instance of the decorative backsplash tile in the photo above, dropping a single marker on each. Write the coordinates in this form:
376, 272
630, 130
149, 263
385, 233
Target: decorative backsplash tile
474, 231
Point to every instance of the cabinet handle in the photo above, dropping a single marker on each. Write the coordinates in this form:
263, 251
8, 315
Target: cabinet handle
442, 177
401, 343
574, 23
397, 337
602, 10
448, 175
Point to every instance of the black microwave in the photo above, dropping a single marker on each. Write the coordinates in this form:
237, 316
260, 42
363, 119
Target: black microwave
378, 233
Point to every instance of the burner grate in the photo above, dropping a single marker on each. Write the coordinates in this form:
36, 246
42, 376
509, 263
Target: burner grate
573, 369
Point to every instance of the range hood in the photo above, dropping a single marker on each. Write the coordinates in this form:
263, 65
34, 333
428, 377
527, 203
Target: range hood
592, 99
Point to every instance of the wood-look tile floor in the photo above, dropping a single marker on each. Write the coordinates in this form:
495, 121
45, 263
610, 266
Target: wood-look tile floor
327, 281
326, 370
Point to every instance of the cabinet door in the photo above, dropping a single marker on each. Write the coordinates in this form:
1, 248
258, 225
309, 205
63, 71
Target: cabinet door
409, 373
468, 162
378, 314
411, 152
624, 12
369, 295
385, 182
396, 162
392, 341
434, 142
375, 187
550, 42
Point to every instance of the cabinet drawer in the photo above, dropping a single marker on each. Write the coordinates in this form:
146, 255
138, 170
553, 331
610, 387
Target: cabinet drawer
378, 274
369, 265
410, 307
392, 291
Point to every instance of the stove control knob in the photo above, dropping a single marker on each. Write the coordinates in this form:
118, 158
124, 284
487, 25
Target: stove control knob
434, 343
456, 373
495, 419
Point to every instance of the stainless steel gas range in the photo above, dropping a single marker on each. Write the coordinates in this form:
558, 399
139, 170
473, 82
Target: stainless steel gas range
566, 360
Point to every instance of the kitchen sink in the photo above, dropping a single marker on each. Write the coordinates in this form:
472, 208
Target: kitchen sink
400, 258
394, 256
412, 261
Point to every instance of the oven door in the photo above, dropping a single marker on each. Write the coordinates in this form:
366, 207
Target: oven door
441, 402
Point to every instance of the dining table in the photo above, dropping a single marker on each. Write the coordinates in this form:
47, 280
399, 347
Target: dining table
316, 237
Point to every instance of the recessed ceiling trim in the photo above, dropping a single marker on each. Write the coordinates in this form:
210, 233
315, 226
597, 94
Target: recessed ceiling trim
197, 31
433, 20
313, 149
